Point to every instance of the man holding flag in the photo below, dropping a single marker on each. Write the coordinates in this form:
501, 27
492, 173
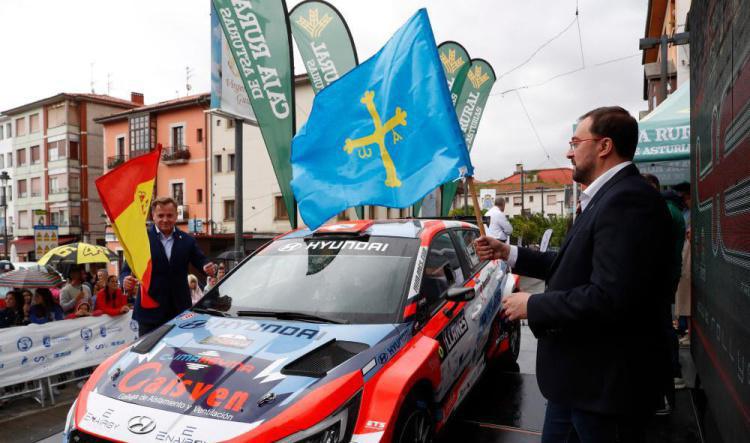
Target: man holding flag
157, 256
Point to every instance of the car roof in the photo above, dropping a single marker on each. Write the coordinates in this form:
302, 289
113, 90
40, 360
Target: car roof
406, 228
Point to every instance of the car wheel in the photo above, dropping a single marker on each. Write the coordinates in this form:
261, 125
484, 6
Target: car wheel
415, 423
514, 342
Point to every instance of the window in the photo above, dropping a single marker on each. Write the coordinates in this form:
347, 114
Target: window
199, 134
280, 212
54, 185
21, 186
54, 151
21, 157
230, 166
9, 159
8, 130
35, 159
218, 122
217, 163
230, 123
228, 210
33, 123
517, 201
36, 186
73, 150
142, 134
10, 192
507, 199
199, 195
23, 219
21, 126
178, 138
2, 162
466, 239
442, 271
56, 115
121, 146
177, 193
531, 199
74, 183
2, 132
552, 199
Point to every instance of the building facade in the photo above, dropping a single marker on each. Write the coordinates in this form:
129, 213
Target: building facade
57, 155
6, 167
180, 126
541, 191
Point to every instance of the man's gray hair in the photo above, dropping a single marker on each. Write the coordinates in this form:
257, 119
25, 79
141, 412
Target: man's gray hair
500, 202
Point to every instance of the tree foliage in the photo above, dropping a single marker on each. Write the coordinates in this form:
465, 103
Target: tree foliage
531, 228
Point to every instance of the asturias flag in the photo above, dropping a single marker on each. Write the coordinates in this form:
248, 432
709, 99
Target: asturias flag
384, 134
126, 193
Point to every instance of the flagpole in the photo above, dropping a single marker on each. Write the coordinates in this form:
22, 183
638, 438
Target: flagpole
475, 202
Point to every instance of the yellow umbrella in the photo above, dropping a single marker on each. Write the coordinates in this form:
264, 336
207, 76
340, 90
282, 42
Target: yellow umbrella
78, 253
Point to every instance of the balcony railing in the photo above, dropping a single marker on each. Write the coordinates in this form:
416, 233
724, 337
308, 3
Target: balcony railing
116, 160
175, 154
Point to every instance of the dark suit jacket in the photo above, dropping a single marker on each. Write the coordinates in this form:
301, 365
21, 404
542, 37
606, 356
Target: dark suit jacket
169, 286
602, 321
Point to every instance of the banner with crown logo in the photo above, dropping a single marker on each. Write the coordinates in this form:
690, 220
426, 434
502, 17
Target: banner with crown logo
470, 107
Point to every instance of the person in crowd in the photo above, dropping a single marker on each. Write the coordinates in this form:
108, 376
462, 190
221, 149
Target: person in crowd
75, 291
12, 314
171, 252
195, 290
83, 309
87, 280
683, 297
608, 272
27, 299
101, 281
500, 227
111, 300
44, 309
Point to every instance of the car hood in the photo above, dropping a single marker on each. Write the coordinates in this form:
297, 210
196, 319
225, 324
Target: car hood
243, 371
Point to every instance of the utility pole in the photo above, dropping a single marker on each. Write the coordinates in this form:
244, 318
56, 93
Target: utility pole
542, 189
663, 42
523, 201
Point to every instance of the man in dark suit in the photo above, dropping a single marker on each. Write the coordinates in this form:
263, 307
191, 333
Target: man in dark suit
600, 323
171, 252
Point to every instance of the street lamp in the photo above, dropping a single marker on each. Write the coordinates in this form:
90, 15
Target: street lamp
4, 177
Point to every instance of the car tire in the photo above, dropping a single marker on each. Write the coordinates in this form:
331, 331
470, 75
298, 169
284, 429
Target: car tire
514, 337
415, 422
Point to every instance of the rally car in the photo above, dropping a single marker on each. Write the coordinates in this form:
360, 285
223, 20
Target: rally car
356, 332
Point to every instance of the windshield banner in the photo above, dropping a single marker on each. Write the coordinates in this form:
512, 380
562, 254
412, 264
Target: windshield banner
37, 351
258, 36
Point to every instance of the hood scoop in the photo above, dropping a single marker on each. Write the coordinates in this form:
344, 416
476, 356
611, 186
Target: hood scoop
318, 362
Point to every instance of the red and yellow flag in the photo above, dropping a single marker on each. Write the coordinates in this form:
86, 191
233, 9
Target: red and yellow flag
126, 193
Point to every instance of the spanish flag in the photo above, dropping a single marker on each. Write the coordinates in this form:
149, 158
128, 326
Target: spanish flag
126, 193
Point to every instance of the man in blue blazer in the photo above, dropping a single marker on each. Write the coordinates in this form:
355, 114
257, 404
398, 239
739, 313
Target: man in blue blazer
171, 252
602, 323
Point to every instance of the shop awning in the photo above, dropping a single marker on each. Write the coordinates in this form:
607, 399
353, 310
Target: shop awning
664, 134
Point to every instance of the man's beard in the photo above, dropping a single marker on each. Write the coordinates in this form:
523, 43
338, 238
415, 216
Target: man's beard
581, 175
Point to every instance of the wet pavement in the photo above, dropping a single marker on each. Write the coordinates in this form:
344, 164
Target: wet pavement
505, 407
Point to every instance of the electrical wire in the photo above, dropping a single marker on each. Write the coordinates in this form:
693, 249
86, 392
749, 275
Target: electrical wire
580, 40
533, 127
540, 48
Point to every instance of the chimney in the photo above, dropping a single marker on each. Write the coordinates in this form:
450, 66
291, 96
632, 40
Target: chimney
136, 97
519, 167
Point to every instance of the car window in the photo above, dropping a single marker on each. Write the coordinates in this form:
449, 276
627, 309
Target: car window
466, 239
442, 270
360, 280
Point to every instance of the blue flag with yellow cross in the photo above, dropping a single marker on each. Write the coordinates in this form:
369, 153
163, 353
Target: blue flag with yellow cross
384, 134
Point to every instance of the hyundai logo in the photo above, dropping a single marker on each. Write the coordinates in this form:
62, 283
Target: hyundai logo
193, 324
140, 424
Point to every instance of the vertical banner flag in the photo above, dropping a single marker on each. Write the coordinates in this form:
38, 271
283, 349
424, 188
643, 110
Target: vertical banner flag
126, 193
470, 107
259, 40
325, 44
456, 62
384, 134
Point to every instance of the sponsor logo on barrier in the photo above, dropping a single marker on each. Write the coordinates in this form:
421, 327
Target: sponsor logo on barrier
117, 343
103, 331
40, 359
47, 341
24, 344
86, 334
24, 360
141, 424
61, 354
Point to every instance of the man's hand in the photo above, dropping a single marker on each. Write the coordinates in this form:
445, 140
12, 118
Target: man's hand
489, 248
514, 306
125, 309
210, 269
128, 283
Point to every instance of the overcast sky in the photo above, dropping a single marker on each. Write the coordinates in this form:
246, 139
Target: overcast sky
48, 46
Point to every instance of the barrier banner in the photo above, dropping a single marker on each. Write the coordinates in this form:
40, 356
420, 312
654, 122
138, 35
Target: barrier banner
37, 351
261, 46
470, 107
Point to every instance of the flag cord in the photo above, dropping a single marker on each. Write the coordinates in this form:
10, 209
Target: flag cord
475, 202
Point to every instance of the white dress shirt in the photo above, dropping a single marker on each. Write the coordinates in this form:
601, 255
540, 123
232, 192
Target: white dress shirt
586, 196
167, 241
500, 227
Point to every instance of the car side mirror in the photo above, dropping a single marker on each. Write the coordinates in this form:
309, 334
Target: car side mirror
460, 294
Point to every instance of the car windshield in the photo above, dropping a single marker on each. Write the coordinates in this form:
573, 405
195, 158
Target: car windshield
353, 280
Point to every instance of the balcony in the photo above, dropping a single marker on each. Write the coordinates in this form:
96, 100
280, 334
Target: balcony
116, 160
175, 155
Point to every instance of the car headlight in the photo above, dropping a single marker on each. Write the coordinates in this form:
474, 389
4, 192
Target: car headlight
70, 421
336, 428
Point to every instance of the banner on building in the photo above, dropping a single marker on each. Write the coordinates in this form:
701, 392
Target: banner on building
487, 198
259, 41
470, 107
36, 351
45, 239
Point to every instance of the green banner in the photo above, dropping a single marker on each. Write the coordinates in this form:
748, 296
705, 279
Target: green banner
325, 44
456, 63
470, 107
258, 36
